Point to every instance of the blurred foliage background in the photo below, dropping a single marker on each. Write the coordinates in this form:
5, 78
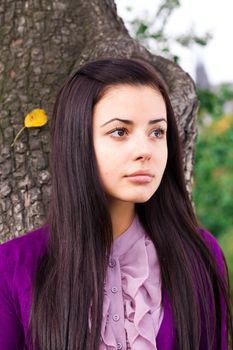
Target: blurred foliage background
213, 168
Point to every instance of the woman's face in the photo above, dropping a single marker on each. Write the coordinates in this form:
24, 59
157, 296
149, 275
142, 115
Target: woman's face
129, 131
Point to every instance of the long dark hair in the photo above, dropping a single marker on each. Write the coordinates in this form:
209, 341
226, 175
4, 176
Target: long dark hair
68, 288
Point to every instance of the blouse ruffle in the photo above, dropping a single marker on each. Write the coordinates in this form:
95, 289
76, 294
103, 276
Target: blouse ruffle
141, 290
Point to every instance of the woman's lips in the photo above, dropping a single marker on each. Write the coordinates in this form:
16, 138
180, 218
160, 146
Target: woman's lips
140, 179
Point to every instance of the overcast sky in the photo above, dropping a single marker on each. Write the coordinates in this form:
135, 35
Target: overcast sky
201, 15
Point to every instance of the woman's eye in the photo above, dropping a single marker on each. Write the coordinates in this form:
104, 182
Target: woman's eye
118, 132
158, 133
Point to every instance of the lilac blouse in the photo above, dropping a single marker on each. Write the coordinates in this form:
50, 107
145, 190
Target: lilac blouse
134, 316
132, 311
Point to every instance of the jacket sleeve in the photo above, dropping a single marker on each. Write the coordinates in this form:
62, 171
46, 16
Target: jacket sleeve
11, 329
218, 254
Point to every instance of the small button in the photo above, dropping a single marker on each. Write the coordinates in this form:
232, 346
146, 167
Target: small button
112, 263
116, 317
114, 289
119, 346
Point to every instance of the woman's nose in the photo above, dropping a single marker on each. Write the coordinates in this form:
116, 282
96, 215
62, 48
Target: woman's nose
144, 156
142, 149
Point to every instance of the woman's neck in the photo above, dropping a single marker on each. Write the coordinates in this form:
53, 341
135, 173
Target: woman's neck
122, 215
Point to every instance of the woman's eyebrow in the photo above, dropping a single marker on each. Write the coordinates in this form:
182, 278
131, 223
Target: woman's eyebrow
130, 122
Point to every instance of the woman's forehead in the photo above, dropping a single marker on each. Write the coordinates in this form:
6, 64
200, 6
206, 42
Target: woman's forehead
130, 101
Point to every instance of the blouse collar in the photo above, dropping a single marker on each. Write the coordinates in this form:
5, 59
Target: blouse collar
128, 238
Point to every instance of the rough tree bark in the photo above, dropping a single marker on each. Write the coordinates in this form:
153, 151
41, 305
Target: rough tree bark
42, 42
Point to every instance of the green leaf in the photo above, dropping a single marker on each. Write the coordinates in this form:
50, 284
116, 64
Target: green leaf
141, 29
157, 36
200, 41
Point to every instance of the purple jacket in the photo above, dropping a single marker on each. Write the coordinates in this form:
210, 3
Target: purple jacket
18, 262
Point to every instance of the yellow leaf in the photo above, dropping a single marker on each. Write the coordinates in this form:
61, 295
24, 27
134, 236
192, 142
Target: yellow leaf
35, 118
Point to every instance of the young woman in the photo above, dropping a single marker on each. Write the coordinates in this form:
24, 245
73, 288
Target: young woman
121, 262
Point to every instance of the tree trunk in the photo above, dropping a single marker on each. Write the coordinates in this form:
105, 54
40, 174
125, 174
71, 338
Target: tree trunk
43, 42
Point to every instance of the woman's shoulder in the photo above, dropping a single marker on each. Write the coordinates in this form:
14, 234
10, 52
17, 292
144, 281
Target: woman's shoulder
214, 247
211, 240
24, 250
19, 259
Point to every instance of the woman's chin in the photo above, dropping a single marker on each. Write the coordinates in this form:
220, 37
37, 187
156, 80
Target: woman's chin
139, 198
